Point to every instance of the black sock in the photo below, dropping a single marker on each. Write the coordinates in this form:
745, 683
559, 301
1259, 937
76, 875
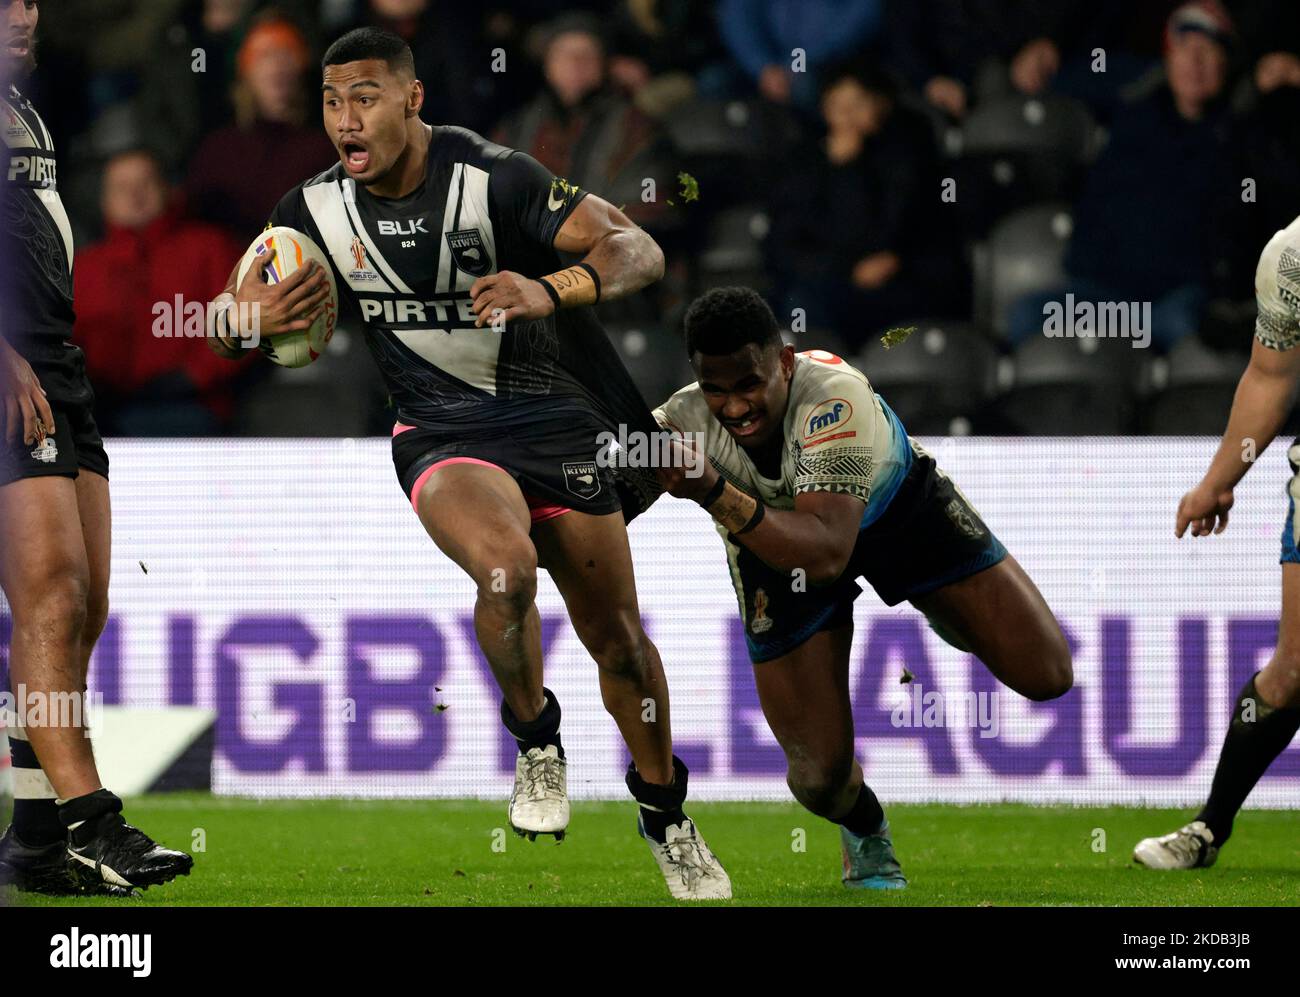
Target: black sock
81, 815
1258, 734
536, 733
661, 806
36, 817
866, 816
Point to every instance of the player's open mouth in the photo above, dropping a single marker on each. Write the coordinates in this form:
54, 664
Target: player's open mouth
744, 427
19, 46
355, 157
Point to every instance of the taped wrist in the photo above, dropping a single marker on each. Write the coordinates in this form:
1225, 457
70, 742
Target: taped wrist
736, 510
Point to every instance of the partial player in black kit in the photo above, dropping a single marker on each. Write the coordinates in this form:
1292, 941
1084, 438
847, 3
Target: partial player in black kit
67, 835
447, 251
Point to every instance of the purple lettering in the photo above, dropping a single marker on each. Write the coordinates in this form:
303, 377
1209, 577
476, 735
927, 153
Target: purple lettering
180, 660
751, 754
1248, 639
899, 638
414, 696
304, 740
1174, 758
1061, 743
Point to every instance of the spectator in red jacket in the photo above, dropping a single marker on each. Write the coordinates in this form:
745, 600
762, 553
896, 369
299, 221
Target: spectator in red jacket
241, 171
126, 289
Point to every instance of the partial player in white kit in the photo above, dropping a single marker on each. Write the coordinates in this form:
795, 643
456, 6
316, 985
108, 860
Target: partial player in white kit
1266, 714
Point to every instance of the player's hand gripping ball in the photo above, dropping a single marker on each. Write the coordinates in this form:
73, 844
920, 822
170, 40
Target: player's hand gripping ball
288, 279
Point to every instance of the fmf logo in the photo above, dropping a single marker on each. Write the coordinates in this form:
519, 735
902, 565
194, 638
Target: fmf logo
829, 413
403, 228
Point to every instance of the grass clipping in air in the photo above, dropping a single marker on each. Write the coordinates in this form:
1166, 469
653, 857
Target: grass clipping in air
895, 336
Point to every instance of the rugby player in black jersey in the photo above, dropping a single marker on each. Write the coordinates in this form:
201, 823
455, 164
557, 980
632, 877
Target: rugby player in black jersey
67, 835
446, 250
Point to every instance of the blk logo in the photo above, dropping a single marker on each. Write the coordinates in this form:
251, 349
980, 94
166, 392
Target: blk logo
409, 227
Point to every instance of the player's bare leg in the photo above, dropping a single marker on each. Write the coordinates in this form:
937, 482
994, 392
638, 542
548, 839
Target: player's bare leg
477, 516
590, 561
54, 533
805, 698
45, 574
1265, 718
95, 511
999, 615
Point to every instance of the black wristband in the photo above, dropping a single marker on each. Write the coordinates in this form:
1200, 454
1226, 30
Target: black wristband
595, 278
714, 493
555, 295
754, 520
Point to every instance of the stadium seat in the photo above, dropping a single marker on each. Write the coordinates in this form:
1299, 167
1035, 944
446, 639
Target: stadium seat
715, 128
1192, 362
1070, 387
338, 395
733, 148
276, 408
1051, 125
1195, 391
1189, 410
938, 380
654, 357
1014, 152
734, 240
1022, 254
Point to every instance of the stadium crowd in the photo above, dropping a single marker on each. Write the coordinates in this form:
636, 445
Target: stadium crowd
946, 165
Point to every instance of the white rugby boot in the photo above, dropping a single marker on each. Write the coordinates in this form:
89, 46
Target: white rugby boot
540, 801
690, 869
1190, 847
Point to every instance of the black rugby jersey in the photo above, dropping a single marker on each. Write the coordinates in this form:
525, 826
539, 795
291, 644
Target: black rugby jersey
404, 268
37, 251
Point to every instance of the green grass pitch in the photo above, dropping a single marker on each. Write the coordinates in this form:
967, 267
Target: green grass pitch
359, 853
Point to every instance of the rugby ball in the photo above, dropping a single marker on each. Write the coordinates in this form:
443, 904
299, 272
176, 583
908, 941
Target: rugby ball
293, 249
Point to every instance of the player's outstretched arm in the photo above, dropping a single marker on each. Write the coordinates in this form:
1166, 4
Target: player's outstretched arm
619, 258
1265, 393
816, 536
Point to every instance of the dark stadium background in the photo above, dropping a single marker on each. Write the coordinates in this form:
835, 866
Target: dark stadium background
1050, 167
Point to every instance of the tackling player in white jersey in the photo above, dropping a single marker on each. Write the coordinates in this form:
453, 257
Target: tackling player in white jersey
1267, 712
811, 476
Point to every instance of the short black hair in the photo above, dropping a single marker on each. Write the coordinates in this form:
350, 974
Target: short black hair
868, 76
371, 43
727, 319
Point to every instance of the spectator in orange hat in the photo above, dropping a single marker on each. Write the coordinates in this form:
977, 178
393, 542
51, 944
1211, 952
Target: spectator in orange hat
240, 171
